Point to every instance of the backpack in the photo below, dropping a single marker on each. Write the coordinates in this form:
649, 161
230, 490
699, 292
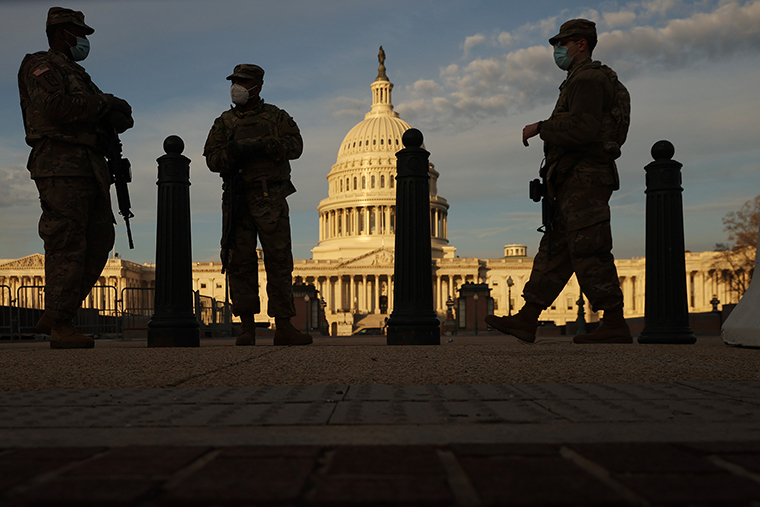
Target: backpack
615, 127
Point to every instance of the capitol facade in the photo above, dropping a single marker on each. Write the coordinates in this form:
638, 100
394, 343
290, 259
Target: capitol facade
352, 266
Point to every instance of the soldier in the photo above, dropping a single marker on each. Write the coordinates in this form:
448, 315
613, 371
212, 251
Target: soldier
582, 139
250, 145
66, 118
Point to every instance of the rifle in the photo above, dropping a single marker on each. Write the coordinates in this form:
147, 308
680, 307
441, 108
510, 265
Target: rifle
232, 200
121, 174
538, 192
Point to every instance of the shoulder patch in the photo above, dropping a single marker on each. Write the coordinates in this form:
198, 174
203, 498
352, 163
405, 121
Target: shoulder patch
41, 70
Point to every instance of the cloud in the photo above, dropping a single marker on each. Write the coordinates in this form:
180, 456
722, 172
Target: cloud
346, 107
505, 39
620, 18
472, 41
16, 187
520, 80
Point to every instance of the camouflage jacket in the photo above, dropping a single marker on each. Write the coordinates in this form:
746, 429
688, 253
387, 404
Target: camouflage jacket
573, 134
61, 108
276, 128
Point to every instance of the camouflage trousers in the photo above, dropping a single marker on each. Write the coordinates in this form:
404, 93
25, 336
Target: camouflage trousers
77, 226
580, 243
268, 219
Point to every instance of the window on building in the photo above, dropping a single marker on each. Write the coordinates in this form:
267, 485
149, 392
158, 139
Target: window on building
382, 181
219, 286
391, 181
203, 286
372, 182
569, 303
354, 182
341, 185
364, 182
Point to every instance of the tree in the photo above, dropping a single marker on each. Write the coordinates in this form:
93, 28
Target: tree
735, 261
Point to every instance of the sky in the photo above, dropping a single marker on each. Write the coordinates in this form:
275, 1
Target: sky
469, 74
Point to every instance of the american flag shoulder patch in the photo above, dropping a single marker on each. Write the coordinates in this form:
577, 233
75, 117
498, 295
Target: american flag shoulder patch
41, 70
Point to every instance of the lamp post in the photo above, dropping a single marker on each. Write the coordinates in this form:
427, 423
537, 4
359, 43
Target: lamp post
715, 302
581, 315
475, 298
322, 318
510, 283
308, 312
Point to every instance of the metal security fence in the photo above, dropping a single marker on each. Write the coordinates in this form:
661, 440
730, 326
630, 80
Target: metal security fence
215, 317
137, 307
7, 321
105, 311
98, 315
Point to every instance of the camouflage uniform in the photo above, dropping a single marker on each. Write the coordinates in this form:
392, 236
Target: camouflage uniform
581, 177
62, 109
261, 184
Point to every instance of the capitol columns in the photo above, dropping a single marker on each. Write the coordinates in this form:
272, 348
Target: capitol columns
413, 321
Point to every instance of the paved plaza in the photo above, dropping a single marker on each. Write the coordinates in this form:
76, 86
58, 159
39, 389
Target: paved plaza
478, 420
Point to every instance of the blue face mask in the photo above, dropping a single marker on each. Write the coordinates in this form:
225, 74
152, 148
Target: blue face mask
561, 58
82, 48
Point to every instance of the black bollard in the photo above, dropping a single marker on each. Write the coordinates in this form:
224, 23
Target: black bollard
173, 324
666, 311
413, 321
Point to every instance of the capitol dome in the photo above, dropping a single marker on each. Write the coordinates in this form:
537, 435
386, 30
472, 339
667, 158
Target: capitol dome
359, 214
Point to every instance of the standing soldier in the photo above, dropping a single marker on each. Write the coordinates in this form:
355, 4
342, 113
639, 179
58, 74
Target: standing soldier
582, 139
67, 120
250, 145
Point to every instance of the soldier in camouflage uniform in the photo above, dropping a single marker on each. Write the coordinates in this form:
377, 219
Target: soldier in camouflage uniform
65, 118
250, 145
580, 173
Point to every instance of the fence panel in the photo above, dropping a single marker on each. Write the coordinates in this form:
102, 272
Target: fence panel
99, 313
137, 308
30, 304
215, 317
7, 319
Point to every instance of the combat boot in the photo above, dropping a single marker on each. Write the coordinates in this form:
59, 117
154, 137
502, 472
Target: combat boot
286, 334
45, 324
64, 335
614, 329
523, 325
247, 334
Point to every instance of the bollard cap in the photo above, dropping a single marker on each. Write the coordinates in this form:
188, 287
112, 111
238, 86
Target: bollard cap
663, 150
412, 138
174, 144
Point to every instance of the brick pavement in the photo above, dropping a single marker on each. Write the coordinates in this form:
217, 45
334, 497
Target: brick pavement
209, 435
638, 474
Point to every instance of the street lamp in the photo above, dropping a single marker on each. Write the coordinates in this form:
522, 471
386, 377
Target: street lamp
510, 283
475, 298
581, 315
715, 302
308, 312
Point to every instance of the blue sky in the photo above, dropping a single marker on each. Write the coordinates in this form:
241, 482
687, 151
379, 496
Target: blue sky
469, 74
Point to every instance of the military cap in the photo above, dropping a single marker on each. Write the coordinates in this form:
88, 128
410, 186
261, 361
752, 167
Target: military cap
59, 15
582, 28
247, 71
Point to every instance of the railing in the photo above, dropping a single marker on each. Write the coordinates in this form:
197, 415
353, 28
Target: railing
104, 313
8, 323
215, 317
136, 308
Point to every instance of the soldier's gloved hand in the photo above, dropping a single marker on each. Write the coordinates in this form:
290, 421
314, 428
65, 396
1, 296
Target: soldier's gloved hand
119, 114
120, 122
121, 105
234, 150
253, 148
